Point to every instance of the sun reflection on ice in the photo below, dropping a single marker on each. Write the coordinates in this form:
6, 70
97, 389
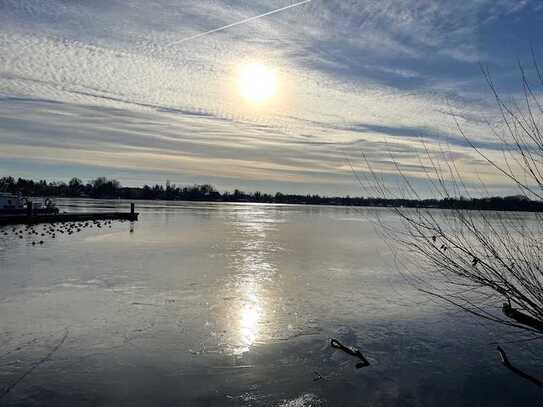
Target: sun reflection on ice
253, 272
250, 318
250, 313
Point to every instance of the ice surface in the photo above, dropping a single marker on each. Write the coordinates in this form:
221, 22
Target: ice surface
233, 304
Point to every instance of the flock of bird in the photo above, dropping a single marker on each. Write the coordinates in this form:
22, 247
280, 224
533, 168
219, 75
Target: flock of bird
52, 230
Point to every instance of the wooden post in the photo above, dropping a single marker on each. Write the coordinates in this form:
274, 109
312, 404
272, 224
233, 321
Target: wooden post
29, 208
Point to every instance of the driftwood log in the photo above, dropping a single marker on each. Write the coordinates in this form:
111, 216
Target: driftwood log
354, 352
521, 317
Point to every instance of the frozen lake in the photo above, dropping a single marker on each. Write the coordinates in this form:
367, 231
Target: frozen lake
233, 305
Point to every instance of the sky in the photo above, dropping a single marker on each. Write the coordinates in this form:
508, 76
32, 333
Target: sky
129, 90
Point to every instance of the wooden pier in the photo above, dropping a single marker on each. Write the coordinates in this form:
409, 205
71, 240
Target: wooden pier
30, 219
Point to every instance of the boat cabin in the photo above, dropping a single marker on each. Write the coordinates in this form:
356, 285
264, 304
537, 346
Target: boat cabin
15, 204
10, 201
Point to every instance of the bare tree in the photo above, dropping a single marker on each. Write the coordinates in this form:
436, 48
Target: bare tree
487, 263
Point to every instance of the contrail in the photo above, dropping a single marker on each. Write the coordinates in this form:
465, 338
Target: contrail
238, 23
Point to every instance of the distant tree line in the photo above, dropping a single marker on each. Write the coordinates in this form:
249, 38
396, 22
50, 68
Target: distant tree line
109, 188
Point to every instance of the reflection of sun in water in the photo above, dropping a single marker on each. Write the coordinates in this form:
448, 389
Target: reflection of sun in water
257, 83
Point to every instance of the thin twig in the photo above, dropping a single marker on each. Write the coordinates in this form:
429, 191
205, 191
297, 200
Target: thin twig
507, 364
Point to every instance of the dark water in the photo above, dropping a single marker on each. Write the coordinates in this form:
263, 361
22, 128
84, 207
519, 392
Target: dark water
234, 305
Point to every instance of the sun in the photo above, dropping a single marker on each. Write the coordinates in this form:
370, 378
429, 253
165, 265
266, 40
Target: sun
257, 83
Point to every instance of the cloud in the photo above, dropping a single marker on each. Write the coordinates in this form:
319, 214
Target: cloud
352, 74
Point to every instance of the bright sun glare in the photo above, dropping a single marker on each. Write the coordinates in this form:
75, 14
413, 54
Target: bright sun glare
257, 83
